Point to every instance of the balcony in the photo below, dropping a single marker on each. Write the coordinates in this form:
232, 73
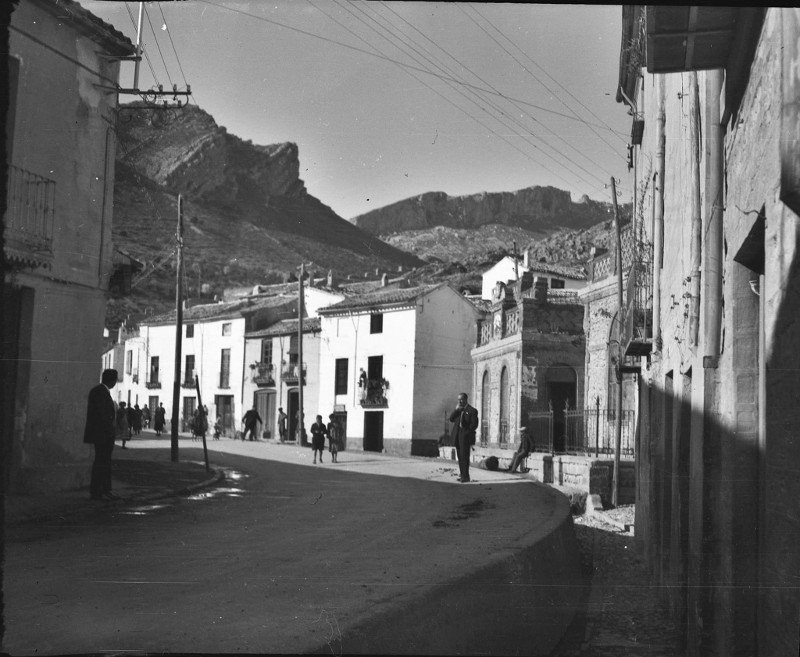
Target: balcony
135, 376
261, 374
29, 219
187, 379
152, 384
375, 394
637, 331
502, 326
290, 374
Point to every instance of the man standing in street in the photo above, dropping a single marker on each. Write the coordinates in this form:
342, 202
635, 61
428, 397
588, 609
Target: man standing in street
464, 424
282, 417
250, 419
101, 431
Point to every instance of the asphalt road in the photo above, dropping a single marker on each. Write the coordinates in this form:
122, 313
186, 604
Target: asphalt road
287, 557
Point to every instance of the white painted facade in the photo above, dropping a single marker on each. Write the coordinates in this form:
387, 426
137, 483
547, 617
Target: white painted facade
505, 270
424, 349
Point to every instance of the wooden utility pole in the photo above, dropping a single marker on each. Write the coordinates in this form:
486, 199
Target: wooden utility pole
516, 264
176, 385
203, 418
300, 311
620, 320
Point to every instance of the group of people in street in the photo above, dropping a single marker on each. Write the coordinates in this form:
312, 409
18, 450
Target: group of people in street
319, 430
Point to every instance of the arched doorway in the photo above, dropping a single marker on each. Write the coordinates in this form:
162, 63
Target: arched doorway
504, 404
485, 406
562, 389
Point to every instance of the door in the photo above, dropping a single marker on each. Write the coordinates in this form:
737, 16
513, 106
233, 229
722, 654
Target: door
189, 407
560, 393
224, 404
373, 431
264, 402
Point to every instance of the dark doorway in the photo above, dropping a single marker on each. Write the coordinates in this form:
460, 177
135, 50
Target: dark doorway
292, 404
561, 391
224, 404
373, 431
264, 401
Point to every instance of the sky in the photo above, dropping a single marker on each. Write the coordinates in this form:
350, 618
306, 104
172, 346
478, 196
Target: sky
388, 100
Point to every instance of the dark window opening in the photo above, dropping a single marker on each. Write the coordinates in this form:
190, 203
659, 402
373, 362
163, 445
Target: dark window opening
376, 323
340, 384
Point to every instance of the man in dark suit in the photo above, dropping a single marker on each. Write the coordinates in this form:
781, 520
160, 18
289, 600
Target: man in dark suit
100, 431
462, 432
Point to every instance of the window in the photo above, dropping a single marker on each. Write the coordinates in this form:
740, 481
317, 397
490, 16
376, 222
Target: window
190, 330
376, 323
341, 377
225, 368
226, 328
154, 369
128, 362
557, 283
266, 351
188, 372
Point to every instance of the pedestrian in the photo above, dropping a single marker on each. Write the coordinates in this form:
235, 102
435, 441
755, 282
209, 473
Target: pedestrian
199, 424
217, 427
100, 431
160, 419
250, 420
146, 416
334, 438
464, 421
131, 415
524, 449
318, 432
282, 418
137, 419
123, 428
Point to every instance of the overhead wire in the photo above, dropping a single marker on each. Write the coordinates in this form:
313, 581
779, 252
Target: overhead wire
144, 52
158, 46
532, 61
512, 118
385, 58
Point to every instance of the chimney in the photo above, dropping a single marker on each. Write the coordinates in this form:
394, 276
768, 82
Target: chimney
540, 291
526, 258
331, 282
384, 280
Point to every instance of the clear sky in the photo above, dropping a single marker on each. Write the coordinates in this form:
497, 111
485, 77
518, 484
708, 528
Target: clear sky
387, 100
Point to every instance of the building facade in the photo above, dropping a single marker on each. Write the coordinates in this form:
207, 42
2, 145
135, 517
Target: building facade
713, 93
412, 345
63, 67
510, 268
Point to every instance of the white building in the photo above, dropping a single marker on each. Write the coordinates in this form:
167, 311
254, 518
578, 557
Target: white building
414, 347
509, 269
212, 348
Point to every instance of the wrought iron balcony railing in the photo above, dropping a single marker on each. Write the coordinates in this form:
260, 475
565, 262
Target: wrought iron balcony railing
29, 218
291, 373
187, 379
374, 396
153, 384
261, 374
637, 337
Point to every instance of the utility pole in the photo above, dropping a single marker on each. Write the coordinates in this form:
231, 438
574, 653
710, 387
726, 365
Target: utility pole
300, 310
618, 423
176, 385
516, 264
138, 48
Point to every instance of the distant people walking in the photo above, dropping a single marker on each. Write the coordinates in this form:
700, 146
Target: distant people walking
100, 431
251, 419
282, 418
318, 433
334, 438
199, 424
146, 416
524, 449
137, 419
123, 427
160, 419
131, 420
464, 421
217, 428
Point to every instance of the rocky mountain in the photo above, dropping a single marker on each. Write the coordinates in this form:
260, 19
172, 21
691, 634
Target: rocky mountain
248, 216
534, 209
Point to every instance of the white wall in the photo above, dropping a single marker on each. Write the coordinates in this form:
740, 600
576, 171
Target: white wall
504, 271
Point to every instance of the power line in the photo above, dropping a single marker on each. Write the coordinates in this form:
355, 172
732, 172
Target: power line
158, 46
174, 49
389, 59
144, 52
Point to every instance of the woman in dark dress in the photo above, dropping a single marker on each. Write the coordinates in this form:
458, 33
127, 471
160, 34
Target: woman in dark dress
318, 433
160, 419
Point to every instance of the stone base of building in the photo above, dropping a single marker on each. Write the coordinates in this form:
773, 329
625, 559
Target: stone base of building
49, 479
584, 473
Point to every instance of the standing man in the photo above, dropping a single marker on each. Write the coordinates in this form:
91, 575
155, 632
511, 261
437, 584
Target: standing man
282, 417
100, 431
464, 424
250, 419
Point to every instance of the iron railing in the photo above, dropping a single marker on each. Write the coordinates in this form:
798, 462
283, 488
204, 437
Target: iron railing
638, 326
291, 372
375, 394
187, 379
261, 374
592, 431
30, 212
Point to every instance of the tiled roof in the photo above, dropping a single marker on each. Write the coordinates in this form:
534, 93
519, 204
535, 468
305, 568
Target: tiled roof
102, 32
379, 299
559, 270
287, 327
217, 311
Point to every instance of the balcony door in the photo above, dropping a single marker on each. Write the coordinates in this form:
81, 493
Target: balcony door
373, 431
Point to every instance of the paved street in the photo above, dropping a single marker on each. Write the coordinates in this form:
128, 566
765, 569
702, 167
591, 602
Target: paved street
373, 554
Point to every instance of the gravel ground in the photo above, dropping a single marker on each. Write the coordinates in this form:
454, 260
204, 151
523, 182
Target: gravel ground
621, 615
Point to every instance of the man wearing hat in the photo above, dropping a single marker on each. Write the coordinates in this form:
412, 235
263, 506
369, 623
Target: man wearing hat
525, 448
